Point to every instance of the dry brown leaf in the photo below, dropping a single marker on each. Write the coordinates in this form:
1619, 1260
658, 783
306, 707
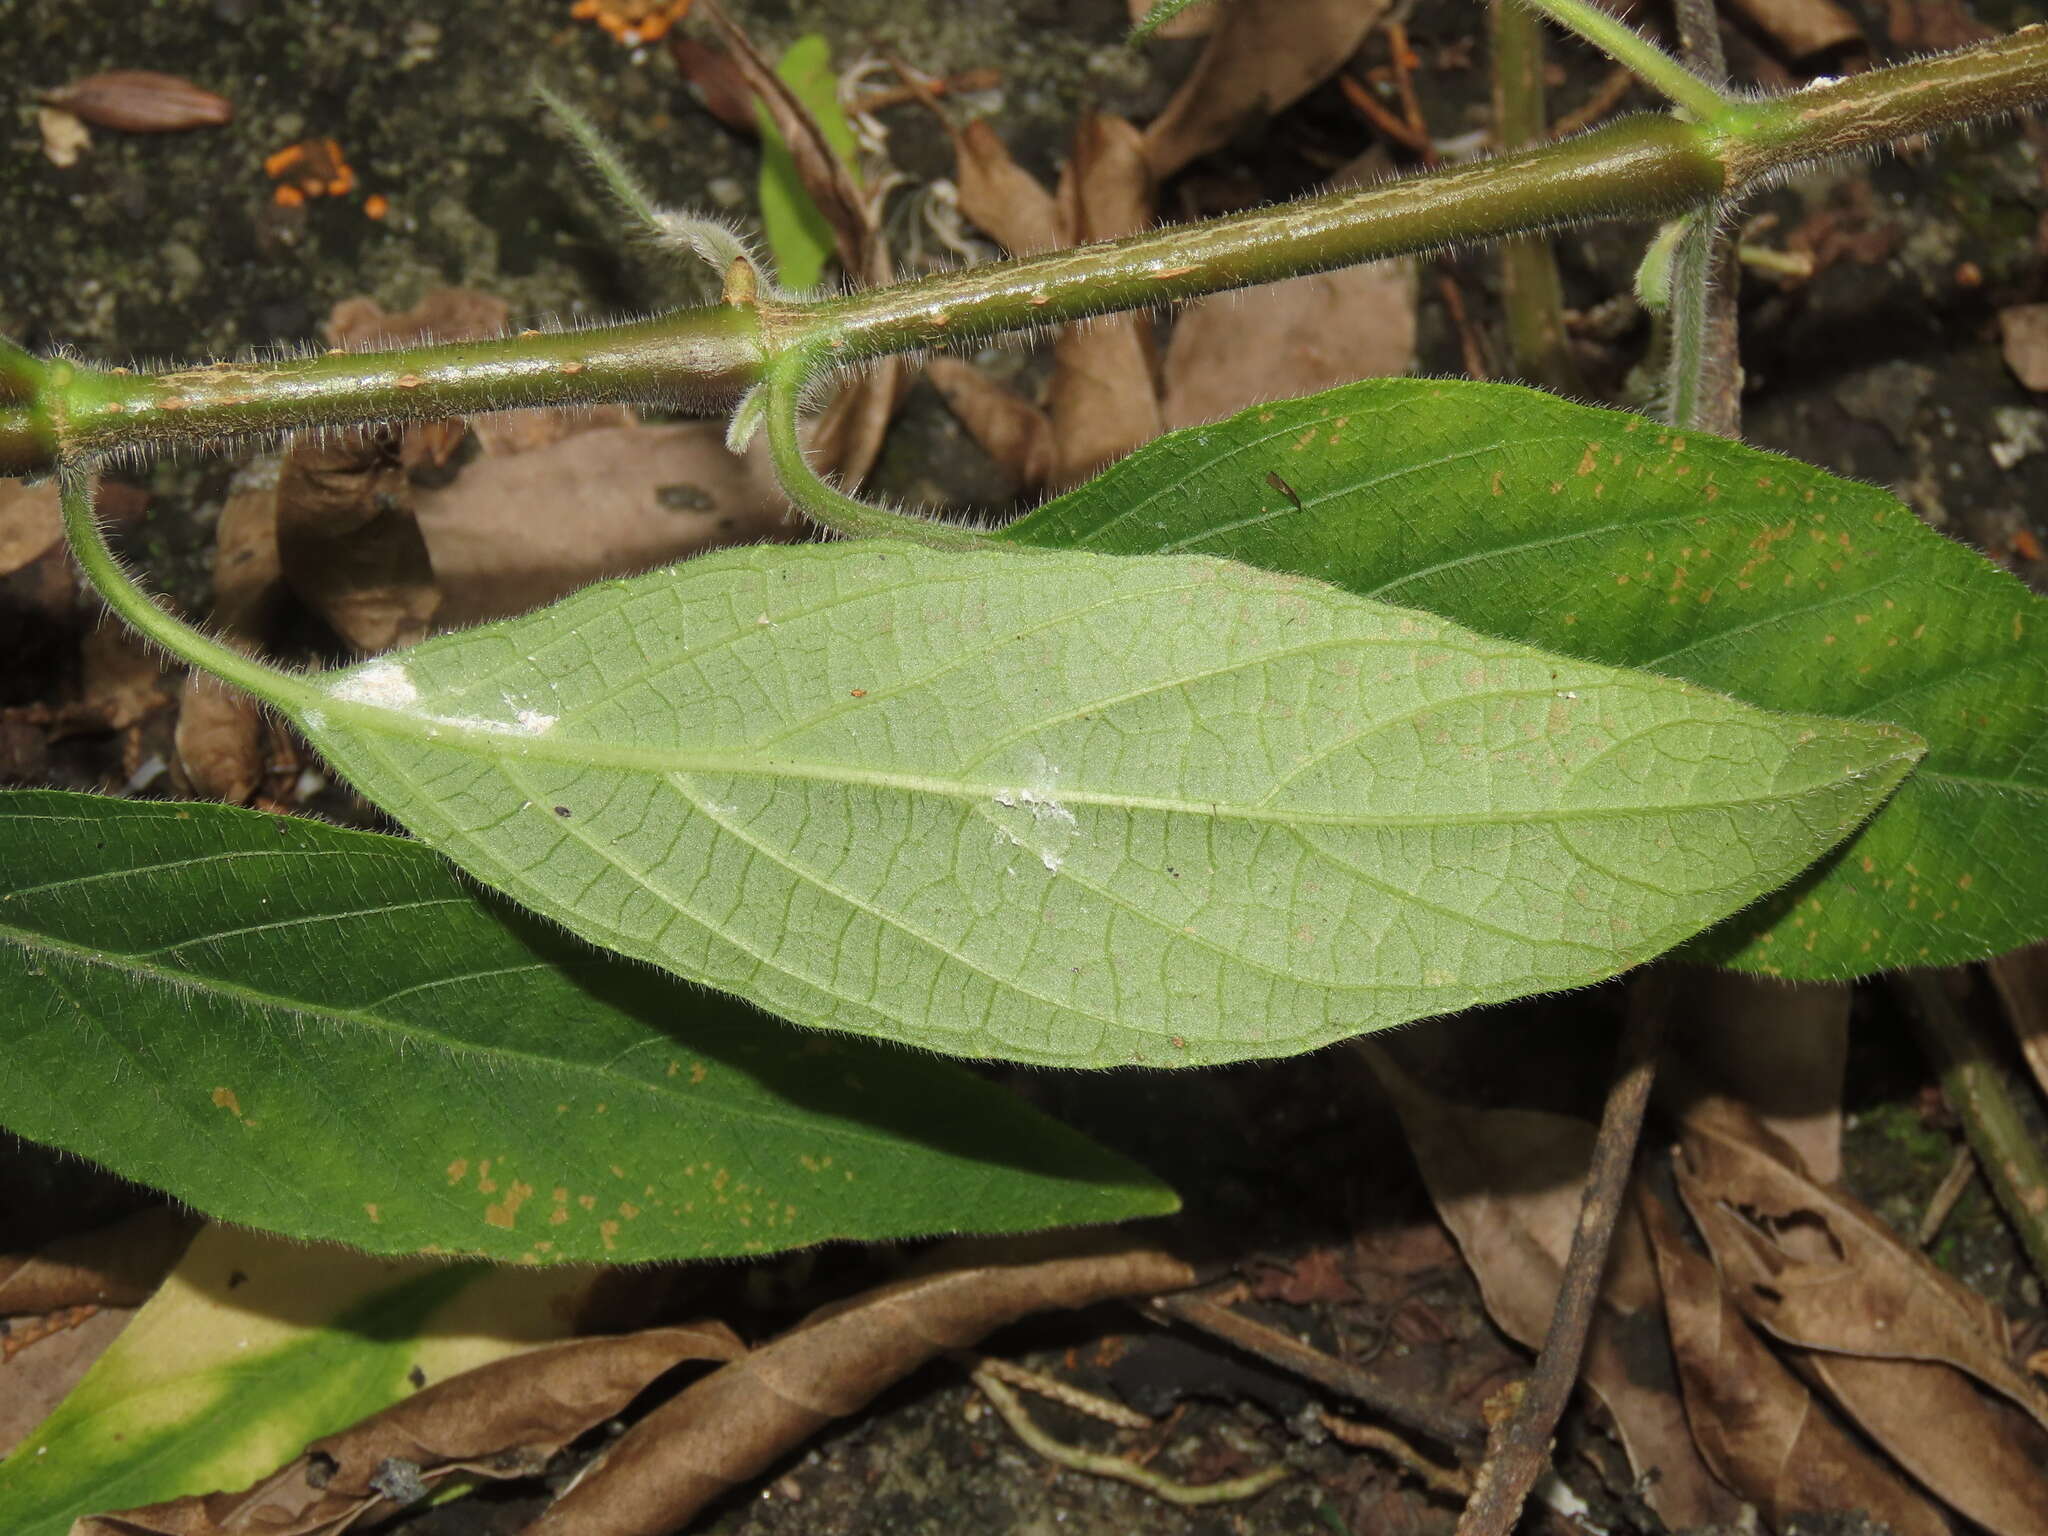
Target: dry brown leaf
141, 101
220, 734
1507, 1183
718, 85
737, 1421
1799, 1262
2022, 981
505, 1419
1104, 399
31, 523
35, 1379
1009, 428
1777, 1047
641, 497
1001, 198
115, 1266
219, 740
1804, 29
1261, 57
2023, 333
125, 677
1756, 1425
1975, 1452
1286, 339
350, 545
1819, 1269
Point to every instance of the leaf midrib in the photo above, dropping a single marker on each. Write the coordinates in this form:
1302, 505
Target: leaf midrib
495, 747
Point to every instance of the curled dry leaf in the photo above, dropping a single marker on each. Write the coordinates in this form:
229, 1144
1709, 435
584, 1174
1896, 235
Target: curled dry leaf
1261, 57
116, 1266
141, 101
1892, 1339
1755, 1423
125, 678
505, 1419
30, 523
1507, 1183
734, 1423
1821, 1270
1778, 1047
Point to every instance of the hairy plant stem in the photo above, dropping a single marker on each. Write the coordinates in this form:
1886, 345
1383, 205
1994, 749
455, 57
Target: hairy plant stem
704, 359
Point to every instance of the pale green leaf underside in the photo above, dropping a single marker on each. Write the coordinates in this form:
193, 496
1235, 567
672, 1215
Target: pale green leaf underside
1082, 810
1603, 535
330, 1034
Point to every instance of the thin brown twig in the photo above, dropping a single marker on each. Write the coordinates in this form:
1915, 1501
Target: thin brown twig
1361, 97
1961, 1169
1305, 1360
1607, 95
1470, 348
1065, 1393
1404, 86
1518, 1448
1098, 1464
1453, 1482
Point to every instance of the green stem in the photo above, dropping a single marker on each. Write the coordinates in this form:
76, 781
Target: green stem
1531, 292
695, 359
704, 359
1700, 373
21, 376
121, 593
821, 501
1623, 44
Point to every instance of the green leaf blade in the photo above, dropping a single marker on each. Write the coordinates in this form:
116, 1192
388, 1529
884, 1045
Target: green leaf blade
328, 1034
1605, 536
1083, 811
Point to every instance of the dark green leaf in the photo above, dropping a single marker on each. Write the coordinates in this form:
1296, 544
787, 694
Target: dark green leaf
328, 1034
1605, 536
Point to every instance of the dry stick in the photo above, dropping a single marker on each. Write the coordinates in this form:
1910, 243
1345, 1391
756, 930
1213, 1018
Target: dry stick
2012, 1159
1305, 1360
1605, 98
1518, 1449
1452, 1482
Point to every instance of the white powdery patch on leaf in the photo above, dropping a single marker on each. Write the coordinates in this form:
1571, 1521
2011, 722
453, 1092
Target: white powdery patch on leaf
384, 684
